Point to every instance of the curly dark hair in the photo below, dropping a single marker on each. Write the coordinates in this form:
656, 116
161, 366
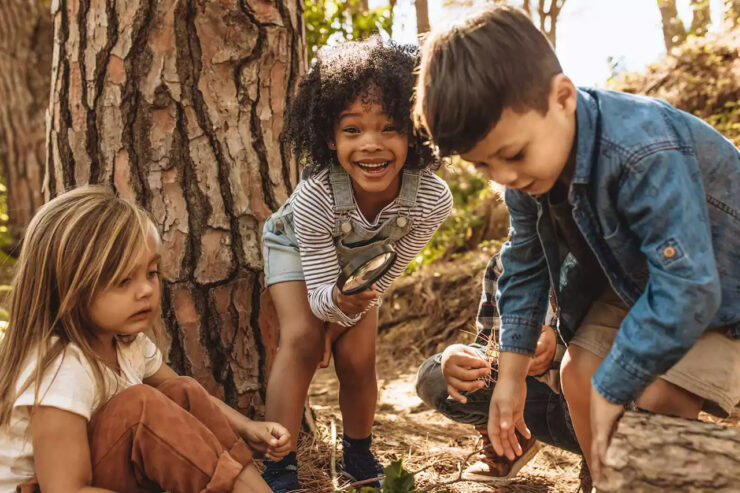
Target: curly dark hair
374, 70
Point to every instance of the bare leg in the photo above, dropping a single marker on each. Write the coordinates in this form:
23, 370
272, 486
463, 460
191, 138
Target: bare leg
661, 397
576, 370
300, 350
354, 358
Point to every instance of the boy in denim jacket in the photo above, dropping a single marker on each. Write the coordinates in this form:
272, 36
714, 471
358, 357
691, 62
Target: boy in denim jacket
627, 206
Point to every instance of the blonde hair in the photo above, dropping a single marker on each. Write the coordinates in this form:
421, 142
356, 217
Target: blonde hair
76, 245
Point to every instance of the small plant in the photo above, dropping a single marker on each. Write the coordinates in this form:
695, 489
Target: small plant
397, 480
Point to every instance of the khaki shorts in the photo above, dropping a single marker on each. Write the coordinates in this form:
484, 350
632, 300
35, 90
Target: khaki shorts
711, 368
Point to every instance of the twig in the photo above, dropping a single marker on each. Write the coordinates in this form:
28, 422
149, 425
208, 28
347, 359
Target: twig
366, 481
334, 478
459, 477
309, 419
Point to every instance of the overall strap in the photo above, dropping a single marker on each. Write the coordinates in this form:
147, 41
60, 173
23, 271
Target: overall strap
341, 189
407, 196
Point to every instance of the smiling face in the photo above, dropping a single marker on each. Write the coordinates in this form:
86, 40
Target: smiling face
528, 151
131, 304
370, 148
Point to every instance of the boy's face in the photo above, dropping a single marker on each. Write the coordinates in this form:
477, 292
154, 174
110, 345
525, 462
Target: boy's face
528, 151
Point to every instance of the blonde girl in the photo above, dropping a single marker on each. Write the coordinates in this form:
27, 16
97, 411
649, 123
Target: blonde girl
87, 403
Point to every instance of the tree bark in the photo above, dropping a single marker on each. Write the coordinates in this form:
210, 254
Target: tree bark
701, 17
732, 12
548, 13
422, 17
179, 104
674, 33
25, 63
655, 453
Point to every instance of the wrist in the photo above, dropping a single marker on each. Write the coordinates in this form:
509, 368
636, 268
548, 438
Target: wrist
513, 366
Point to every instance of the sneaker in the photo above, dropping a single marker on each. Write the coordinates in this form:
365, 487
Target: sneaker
494, 468
282, 477
359, 464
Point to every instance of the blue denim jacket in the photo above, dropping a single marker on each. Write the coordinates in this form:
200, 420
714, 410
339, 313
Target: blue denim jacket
656, 194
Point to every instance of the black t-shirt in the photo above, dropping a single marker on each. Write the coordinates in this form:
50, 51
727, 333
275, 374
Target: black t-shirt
570, 239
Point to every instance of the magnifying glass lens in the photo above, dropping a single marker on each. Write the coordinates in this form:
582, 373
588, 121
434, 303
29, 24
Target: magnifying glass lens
372, 270
366, 268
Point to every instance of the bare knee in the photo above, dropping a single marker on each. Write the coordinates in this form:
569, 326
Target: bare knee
664, 397
576, 371
356, 368
303, 341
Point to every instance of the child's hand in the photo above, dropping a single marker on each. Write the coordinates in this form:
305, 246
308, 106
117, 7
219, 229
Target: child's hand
352, 304
270, 439
545, 352
462, 368
506, 410
604, 418
333, 332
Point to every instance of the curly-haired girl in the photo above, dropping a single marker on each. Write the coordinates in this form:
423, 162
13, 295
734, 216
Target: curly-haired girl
368, 180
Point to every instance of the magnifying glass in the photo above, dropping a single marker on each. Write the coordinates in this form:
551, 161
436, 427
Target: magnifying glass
366, 268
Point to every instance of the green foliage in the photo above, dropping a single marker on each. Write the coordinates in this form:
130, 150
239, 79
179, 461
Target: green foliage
337, 20
397, 480
469, 190
698, 77
5, 238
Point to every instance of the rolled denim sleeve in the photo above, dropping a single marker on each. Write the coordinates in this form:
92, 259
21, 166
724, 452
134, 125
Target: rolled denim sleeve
523, 286
663, 203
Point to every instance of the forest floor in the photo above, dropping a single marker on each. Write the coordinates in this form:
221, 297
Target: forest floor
443, 299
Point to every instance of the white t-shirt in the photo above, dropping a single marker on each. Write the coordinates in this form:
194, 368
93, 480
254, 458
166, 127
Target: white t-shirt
68, 384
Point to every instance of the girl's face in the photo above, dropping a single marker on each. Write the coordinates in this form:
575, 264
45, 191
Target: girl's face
131, 305
370, 148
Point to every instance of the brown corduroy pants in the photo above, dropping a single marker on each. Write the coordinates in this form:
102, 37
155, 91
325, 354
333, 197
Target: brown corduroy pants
172, 438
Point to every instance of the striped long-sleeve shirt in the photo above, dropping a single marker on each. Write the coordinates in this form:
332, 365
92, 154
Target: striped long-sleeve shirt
314, 218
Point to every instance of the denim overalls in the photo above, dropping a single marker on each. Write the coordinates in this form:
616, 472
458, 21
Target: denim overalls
351, 237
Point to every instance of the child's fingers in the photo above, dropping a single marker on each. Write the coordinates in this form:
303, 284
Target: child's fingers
452, 391
464, 385
494, 430
470, 361
521, 427
465, 375
508, 437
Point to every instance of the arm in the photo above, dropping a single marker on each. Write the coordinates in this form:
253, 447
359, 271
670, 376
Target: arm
522, 299
663, 202
313, 220
272, 439
61, 452
524, 284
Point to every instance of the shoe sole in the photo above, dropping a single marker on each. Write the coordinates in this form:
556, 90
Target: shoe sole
521, 461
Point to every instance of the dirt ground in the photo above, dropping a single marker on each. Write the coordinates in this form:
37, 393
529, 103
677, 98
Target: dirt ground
406, 429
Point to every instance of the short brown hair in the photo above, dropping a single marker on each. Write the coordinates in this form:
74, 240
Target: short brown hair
470, 72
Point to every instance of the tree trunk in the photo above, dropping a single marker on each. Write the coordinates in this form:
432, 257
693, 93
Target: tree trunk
701, 17
548, 17
674, 33
179, 104
732, 12
422, 17
25, 63
655, 453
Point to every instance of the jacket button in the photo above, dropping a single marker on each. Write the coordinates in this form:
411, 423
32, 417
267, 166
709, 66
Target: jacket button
346, 227
669, 252
401, 222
